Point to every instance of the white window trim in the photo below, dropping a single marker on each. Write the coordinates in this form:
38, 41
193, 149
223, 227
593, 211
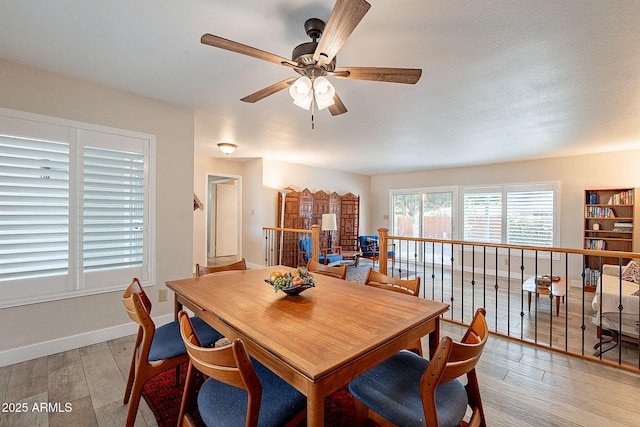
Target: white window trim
422, 190
31, 125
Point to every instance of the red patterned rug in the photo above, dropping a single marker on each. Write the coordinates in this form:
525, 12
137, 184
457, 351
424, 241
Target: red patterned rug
164, 397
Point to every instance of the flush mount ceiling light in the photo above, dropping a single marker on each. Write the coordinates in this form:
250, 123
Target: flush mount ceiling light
227, 148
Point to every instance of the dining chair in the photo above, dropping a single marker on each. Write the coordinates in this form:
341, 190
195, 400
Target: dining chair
238, 265
407, 390
334, 271
155, 349
202, 270
405, 286
239, 391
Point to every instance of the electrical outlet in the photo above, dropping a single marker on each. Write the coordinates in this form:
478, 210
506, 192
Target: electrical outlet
162, 295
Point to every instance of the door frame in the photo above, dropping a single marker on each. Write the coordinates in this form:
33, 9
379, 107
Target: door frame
207, 207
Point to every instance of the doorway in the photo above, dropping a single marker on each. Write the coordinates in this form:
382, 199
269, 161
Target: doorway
223, 219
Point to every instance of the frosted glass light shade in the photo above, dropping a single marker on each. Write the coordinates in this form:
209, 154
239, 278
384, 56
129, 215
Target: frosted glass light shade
324, 92
301, 92
227, 148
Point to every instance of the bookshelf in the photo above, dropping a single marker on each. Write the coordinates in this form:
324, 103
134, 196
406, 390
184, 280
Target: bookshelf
609, 216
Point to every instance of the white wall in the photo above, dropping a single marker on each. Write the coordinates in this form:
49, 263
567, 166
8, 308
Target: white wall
575, 174
204, 165
73, 321
261, 180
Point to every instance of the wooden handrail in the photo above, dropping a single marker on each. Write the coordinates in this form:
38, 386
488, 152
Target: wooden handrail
590, 252
315, 237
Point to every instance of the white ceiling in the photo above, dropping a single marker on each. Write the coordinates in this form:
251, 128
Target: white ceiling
502, 80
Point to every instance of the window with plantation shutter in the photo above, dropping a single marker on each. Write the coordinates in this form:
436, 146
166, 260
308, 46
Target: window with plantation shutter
482, 216
113, 209
75, 211
530, 217
34, 208
517, 214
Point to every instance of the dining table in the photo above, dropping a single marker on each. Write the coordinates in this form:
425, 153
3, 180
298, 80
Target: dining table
316, 341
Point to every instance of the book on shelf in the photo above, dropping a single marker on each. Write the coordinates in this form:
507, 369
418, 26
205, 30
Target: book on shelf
600, 212
621, 198
623, 226
591, 276
595, 244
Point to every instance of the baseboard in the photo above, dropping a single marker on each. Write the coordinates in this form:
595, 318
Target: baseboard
33, 351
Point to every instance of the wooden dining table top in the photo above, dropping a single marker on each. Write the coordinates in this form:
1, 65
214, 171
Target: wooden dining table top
319, 340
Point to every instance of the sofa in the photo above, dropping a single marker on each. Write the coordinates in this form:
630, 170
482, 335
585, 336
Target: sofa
617, 305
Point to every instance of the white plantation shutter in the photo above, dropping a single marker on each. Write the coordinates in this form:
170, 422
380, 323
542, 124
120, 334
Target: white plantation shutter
75, 208
482, 216
34, 208
517, 214
113, 209
530, 217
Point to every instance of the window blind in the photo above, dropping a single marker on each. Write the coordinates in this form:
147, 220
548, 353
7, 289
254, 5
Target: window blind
482, 217
34, 208
76, 208
530, 218
113, 209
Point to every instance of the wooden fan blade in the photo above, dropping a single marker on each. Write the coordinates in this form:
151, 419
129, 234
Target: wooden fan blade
269, 90
338, 107
236, 47
345, 17
380, 74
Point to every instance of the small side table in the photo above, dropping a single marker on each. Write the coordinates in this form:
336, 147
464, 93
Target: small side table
351, 257
558, 289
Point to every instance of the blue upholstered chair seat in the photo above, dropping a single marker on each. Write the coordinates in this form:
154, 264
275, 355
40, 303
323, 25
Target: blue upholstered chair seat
167, 342
220, 404
392, 389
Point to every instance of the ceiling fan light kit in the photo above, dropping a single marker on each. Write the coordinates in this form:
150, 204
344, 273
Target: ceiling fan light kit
304, 91
316, 60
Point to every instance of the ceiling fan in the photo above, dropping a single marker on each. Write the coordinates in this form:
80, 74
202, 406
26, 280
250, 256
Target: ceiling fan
315, 60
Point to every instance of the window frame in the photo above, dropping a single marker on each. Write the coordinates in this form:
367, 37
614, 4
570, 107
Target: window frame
76, 282
504, 190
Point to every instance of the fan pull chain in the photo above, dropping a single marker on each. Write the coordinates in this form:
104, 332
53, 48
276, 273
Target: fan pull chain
313, 110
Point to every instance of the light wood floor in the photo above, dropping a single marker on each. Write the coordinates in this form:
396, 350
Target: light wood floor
521, 385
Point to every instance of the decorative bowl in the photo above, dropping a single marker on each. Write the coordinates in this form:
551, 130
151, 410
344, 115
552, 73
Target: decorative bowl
291, 283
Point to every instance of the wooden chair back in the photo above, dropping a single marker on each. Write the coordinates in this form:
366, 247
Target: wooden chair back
334, 271
406, 286
138, 307
229, 364
238, 265
452, 360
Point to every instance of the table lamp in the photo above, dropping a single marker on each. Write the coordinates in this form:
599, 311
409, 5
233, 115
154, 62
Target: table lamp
329, 224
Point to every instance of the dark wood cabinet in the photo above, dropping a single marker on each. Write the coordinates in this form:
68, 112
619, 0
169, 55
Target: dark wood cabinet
304, 208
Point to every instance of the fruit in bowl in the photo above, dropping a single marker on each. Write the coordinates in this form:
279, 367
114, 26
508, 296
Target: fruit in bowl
291, 282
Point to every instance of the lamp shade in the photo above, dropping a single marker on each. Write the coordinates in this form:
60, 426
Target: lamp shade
329, 222
324, 92
302, 93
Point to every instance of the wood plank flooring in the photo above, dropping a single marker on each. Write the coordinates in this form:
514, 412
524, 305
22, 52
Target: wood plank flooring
521, 385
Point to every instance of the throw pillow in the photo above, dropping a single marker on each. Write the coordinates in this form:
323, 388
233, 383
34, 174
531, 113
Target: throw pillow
632, 272
372, 244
